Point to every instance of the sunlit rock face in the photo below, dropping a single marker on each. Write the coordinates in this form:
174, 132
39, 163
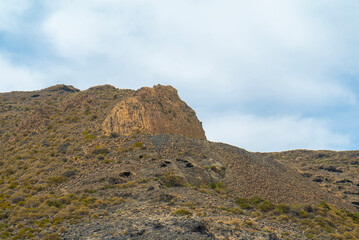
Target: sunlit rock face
153, 110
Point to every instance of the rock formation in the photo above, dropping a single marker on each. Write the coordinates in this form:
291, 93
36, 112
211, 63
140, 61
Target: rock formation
153, 110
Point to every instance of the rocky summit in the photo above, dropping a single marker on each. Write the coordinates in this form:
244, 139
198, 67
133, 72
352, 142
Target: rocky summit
153, 110
108, 163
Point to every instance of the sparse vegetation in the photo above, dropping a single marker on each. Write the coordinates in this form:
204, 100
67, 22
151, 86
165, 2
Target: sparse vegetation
170, 180
137, 144
218, 169
182, 212
59, 172
100, 150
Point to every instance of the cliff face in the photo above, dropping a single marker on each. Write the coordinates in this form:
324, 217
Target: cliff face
153, 110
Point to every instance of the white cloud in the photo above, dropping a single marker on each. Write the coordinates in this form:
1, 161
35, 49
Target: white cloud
80, 29
18, 77
236, 50
274, 133
11, 13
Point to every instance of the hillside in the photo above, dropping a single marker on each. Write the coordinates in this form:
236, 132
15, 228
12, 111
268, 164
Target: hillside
337, 172
108, 163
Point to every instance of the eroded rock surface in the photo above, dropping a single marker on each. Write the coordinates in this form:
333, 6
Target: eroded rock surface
153, 110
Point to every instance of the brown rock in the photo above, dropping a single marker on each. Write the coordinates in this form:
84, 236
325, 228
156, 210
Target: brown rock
153, 110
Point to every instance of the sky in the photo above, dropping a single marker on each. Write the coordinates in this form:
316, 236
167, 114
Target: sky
264, 75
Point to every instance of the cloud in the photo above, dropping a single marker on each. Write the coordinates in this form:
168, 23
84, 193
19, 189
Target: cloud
236, 50
18, 77
11, 13
274, 133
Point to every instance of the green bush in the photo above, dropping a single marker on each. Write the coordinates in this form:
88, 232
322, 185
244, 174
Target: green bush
243, 203
59, 202
90, 137
182, 212
69, 173
218, 187
260, 203
56, 180
256, 200
282, 208
213, 185
324, 205
266, 206
137, 144
354, 216
52, 236
219, 170
170, 180
100, 150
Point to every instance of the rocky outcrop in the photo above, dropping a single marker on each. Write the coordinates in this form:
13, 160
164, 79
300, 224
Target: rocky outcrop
153, 110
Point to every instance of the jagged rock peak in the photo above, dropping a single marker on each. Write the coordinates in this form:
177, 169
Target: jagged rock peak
153, 110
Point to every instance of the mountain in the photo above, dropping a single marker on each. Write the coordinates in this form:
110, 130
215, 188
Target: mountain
108, 163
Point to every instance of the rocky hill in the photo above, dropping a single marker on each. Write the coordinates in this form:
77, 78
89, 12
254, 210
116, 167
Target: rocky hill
108, 163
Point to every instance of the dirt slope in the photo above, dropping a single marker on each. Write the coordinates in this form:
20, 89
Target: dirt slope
336, 172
